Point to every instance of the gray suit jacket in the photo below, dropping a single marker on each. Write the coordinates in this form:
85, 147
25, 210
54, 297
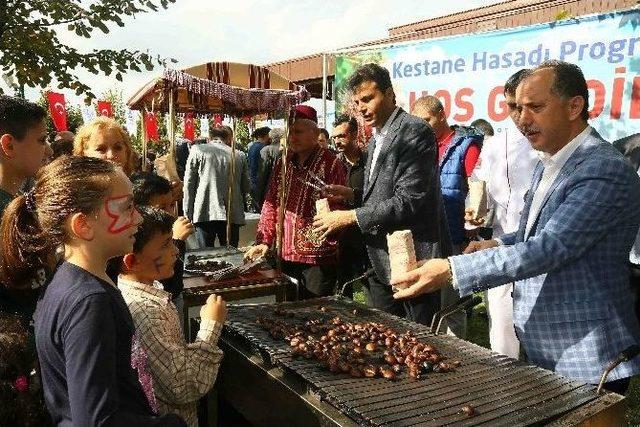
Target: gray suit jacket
404, 194
206, 183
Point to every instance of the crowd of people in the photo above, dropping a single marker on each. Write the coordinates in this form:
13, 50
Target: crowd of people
93, 246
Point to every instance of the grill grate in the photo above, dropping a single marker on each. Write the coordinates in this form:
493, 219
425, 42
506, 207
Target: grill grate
503, 391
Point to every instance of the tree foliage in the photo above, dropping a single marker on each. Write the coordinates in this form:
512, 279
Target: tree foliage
32, 52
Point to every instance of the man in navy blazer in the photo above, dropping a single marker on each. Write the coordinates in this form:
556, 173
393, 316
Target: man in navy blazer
573, 306
401, 191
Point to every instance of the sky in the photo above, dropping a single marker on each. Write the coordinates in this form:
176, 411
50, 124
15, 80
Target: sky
250, 31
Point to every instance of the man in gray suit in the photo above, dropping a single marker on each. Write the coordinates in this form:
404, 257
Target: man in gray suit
401, 191
206, 190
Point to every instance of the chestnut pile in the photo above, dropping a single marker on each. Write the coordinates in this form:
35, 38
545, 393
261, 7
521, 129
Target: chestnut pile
208, 265
365, 349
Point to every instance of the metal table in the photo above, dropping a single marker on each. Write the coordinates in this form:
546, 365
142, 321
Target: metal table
260, 283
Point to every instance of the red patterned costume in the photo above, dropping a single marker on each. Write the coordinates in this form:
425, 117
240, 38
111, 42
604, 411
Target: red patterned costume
300, 244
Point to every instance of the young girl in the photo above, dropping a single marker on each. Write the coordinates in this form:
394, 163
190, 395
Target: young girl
83, 329
104, 138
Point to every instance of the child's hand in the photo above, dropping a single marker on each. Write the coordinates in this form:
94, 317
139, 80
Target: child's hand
214, 309
182, 228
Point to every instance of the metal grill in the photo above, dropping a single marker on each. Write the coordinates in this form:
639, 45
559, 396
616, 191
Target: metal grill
503, 391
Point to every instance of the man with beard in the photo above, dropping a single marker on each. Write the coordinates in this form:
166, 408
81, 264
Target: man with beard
353, 256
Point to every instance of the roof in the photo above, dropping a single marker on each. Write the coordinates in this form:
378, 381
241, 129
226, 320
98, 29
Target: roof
506, 14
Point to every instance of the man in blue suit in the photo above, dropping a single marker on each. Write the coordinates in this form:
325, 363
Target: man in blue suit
573, 307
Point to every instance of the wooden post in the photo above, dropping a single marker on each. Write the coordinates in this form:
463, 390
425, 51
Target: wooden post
144, 139
282, 195
232, 176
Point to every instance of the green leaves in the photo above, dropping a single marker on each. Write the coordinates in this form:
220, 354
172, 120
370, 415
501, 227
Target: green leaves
31, 51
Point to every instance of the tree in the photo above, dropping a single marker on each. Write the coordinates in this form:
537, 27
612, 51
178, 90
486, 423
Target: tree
32, 52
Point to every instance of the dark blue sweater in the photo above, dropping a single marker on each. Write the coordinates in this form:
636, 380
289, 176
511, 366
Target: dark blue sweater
83, 336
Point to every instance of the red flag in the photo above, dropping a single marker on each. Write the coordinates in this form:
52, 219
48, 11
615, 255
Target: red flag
189, 128
151, 126
58, 110
217, 119
105, 109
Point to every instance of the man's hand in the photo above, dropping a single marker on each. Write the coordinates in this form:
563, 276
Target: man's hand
182, 228
475, 246
256, 252
328, 223
338, 193
431, 276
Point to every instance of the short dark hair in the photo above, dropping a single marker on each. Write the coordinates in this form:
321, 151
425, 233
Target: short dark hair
61, 147
512, 82
370, 73
17, 116
483, 126
324, 132
347, 118
569, 82
261, 132
217, 132
154, 221
147, 185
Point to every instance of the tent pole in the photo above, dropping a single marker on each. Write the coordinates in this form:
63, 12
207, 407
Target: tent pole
324, 90
144, 139
232, 175
282, 193
171, 128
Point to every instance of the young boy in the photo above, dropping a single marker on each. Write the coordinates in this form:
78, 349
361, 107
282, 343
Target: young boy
23, 145
150, 189
181, 372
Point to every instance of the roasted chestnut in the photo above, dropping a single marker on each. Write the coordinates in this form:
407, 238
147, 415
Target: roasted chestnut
469, 410
388, 373
370, 371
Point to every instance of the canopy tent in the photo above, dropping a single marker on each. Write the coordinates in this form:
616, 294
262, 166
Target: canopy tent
219, 88
234, 89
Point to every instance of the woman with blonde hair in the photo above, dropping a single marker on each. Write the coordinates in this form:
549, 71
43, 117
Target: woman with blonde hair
105, 138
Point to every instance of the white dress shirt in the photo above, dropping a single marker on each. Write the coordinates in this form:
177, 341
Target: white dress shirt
506, 164
378, 136
552, 166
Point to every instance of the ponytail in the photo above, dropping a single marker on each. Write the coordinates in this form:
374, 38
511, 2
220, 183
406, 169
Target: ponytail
24, 248
34, 225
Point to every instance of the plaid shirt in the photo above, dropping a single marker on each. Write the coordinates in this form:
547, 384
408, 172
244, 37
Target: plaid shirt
182, 373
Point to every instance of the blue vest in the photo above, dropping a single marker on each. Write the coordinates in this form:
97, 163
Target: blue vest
453, 180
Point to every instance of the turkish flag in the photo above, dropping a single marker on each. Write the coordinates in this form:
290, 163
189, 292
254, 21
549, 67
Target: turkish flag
189, 128
58, 110
151, 126
105, 109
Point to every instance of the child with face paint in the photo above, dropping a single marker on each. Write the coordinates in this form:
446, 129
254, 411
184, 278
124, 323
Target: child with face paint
84, 331
150, 189
182, 373
104, 138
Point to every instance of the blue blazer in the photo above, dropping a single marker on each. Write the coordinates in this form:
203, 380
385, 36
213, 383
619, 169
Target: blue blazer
573, 305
